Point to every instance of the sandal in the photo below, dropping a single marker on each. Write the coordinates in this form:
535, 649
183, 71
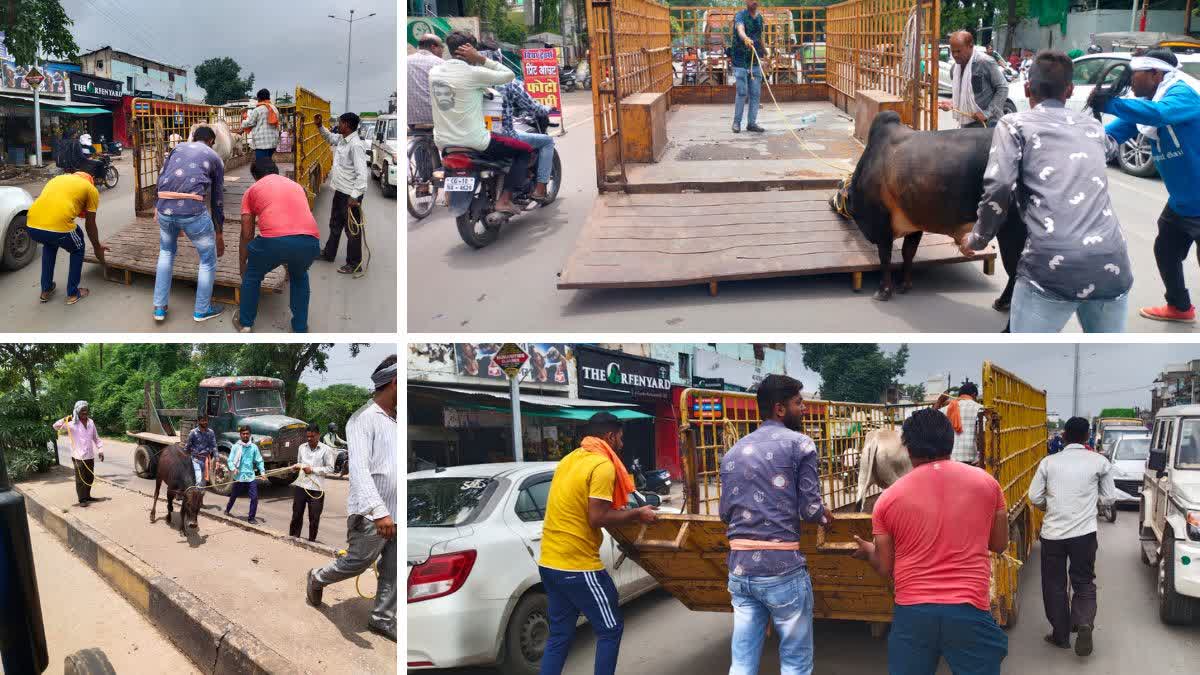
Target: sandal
47, 294
83, 293
346, 269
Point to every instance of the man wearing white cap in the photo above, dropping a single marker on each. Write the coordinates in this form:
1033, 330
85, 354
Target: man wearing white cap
1170, 122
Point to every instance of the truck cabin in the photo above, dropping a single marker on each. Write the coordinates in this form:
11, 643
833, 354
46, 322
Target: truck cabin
225, 398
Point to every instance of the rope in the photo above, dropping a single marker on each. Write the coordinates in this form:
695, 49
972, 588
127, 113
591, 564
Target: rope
358, 228
231, 482
908, 65
79, 463
357, 589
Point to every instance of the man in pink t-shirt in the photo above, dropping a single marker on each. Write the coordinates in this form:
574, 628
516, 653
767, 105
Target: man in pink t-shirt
287, 235
933, 531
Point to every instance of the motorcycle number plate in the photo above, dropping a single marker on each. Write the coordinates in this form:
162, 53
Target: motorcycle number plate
460, 183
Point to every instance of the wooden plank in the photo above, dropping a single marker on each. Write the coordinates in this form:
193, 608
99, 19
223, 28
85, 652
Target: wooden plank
754, 199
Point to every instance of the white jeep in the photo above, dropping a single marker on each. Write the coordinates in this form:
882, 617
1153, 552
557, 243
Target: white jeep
1169, 516
382, 158
18, 248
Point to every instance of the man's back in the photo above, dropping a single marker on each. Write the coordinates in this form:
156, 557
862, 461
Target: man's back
419, 65
1068, 484
456, 89
280, 207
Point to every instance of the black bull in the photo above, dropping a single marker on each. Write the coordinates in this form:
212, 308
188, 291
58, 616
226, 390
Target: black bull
175, 469
909, 182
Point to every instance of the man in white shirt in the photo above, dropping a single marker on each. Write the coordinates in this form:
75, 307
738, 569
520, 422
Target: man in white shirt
1067, 486
457, 87
374, 479
349, 180
314, 461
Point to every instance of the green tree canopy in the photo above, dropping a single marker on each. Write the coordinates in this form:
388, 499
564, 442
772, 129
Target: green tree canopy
26, 363
222, 81
30, 23
285, 361
857, 373
334, 403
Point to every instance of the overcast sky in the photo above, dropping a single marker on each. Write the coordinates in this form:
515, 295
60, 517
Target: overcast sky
345, 369
283, 42
1110, 375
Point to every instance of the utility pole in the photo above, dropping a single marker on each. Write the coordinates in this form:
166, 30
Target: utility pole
349, 42
1075, 386
37, 114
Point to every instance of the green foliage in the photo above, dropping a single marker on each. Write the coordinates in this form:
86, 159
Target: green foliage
913, 392
25, 363
23, 435
334, 403
34, 22
222, 81
495, 16
285, 361
1118, 412
854, 372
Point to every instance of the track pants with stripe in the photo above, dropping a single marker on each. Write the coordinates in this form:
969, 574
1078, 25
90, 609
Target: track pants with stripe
592, 593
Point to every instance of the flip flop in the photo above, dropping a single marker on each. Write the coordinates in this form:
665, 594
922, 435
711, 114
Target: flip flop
345, 269
46, 295
83, 293
516, 210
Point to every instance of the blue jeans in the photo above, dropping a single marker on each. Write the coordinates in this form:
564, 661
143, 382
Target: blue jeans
268, 153
239, 489
72, 243
545, 152
198, 469
749, 86
1035, 312
786, 601
592, 593
297, 253
966, 636
199, 229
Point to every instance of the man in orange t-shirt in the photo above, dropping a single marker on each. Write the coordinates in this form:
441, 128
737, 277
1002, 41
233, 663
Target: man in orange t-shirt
934, 529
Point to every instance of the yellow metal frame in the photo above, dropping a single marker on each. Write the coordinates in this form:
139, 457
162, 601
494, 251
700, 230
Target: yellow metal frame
314, 155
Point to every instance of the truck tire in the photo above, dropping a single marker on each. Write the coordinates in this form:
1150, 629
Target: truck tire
221, 475
526, 634
87, 662
19, 248
145, 461
1173, 609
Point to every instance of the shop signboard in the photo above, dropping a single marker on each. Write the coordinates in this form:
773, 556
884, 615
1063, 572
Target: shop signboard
91, 89
539, 72
714, 383
614, 376
440, 26
13, 75
510, 358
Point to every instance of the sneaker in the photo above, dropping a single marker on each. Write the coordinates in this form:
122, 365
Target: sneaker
1169, 313
160, 313
755, 128
313, 592
252, 521
1083, 643
212, 314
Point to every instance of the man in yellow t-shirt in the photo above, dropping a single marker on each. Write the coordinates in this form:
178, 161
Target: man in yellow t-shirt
51, 223
589, 491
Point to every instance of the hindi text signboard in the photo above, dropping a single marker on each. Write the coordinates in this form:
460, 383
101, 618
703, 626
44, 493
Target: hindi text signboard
539, 72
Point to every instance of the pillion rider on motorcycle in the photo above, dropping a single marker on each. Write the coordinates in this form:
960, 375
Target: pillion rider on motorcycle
517, 102
457, 88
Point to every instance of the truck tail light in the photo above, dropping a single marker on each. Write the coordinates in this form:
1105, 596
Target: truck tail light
439, 576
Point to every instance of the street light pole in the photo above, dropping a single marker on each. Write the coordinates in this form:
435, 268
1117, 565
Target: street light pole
37, 114
1075, 387
349, 42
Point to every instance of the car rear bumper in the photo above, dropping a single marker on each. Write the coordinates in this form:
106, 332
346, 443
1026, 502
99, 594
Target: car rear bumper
1133, 488
1187, 576
456, 630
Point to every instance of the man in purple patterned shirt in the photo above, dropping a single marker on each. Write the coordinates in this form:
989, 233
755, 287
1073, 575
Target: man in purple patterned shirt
769, 484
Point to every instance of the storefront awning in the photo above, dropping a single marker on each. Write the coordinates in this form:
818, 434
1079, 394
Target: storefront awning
533, 405
76, 110
57, 106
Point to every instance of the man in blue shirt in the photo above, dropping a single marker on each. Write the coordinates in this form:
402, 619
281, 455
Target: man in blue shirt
518, 102
770, 483
746, 52
201, 446
244, 458
1170, 123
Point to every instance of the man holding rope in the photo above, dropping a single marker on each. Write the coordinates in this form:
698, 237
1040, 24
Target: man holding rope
348, 176
315, 462
978, 88
371, 527
85, 447
747, 50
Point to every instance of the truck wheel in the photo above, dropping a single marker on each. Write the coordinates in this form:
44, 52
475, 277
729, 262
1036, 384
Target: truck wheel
145, 463
1173, 609
525, 637
87, 662
221, 475
19, 248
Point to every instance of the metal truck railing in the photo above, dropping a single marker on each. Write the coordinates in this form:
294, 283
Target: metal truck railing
314, 155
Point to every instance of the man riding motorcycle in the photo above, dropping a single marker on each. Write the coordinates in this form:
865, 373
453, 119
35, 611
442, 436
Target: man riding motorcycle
73, 154
331, 439
518, 103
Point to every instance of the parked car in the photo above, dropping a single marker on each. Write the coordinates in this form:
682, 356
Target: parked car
1169, 515
1110, 431
474, 594
1135, 158
19, 249
1129, 454
385, 145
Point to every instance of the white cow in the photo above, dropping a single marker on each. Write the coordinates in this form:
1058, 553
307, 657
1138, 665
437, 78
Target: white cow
224, 144
883, 461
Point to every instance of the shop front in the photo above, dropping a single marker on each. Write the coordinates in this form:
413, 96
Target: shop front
106, 93
59, 117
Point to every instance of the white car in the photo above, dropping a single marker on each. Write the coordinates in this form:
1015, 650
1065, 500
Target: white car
474, 594
1134, 157
18, 248
384, 146
1129, 454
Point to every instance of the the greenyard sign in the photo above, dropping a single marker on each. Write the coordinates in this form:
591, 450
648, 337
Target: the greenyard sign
440, 26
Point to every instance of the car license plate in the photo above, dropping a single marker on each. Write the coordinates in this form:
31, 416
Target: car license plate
460, 183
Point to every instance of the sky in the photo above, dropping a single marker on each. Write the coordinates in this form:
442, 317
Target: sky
283, 42
1111, 375
345, 369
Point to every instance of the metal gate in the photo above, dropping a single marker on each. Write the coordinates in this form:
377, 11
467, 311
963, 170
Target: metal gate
314, 155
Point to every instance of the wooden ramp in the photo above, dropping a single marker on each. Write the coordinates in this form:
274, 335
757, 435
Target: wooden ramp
659, 240
135, 250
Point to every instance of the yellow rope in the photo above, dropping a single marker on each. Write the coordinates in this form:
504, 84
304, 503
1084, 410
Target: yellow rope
79, 463
358, 228
357, 589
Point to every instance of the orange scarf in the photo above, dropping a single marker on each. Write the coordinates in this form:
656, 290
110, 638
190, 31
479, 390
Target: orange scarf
272, 114
955, 415
624, 483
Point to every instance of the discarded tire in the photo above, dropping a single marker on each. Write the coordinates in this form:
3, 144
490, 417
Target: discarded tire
87, 662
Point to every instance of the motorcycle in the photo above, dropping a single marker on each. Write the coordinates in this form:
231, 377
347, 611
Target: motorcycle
473, 185
657, 481
566, 79
108, 175
113, 148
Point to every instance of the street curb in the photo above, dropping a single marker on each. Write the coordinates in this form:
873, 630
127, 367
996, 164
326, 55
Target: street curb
213, 643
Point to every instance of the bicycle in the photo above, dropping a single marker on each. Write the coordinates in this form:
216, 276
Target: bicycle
423, 160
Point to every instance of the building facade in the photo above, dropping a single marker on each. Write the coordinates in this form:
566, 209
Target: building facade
1177, 384
142, 77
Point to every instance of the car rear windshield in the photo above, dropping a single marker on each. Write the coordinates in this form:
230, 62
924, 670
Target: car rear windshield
444, 502
1132, 448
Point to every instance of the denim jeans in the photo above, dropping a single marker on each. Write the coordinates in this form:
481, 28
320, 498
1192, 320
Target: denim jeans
786, 601
749, 86
966, 636
199, 229
545, 149
1035, 312
72, 243
198, 469
268, 153
297, 253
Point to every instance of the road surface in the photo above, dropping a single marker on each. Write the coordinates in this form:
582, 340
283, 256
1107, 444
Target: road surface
510, 285
1129, 636
339, 303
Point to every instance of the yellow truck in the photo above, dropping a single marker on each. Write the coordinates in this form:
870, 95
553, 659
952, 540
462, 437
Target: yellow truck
687, 552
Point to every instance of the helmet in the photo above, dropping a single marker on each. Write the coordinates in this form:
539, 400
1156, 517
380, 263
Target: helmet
333, 426
1094, 49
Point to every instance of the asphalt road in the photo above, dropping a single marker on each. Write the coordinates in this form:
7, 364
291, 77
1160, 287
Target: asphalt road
274, 502
1129, 636
510, 285
338, 303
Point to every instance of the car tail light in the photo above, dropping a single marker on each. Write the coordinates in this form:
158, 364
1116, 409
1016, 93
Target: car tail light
458, 162
439, 576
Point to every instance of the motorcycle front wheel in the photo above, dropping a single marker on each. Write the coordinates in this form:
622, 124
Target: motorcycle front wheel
111, 177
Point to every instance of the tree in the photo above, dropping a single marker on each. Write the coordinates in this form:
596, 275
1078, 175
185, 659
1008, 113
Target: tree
854, 372
27, 362
284, 98
284, 361
222, 81
30, 23
913, 392
334, 403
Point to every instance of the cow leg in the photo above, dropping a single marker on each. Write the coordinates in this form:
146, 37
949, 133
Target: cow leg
885, 271
909, 251
1011, 238
170, 505
154, 504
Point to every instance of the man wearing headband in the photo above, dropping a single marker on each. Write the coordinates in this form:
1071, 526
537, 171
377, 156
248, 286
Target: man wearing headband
51, 223
1167, 113
371, 527
85, 448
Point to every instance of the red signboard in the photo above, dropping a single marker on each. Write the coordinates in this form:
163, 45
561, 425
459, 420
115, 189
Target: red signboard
34, 78
539, 71
510, 358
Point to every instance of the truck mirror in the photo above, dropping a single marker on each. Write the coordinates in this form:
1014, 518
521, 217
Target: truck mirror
1157, 462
